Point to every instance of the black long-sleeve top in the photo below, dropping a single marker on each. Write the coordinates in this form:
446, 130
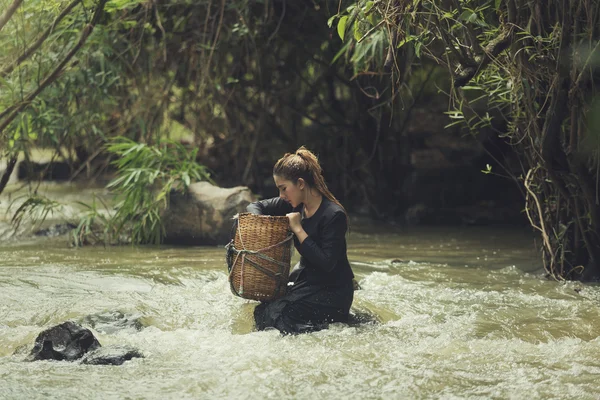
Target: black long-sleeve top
323, 260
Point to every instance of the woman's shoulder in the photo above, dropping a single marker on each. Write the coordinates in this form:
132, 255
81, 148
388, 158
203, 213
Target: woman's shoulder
332, 207
332, 210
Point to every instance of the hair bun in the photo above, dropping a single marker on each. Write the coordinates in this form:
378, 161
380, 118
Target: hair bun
310, 158
302, 151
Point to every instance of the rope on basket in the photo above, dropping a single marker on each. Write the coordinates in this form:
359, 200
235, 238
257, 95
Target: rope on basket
231, 250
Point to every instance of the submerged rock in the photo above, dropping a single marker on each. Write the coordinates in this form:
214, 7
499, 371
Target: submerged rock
56, 230
357, 318
111, 355
204, 215
67, 341
112, 321
72, 342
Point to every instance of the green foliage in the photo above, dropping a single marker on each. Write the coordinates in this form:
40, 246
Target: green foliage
96, 226
526, 68
146, 176
369, 44
34, 207
82, 110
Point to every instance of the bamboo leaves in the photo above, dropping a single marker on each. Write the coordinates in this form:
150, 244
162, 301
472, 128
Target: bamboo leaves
146, 176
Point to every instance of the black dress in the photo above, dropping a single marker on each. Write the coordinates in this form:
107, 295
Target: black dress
322, 290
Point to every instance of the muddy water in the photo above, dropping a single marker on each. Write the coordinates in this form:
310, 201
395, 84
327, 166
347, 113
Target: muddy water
461, 313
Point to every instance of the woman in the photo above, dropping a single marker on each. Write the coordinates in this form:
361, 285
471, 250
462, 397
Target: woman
321, 288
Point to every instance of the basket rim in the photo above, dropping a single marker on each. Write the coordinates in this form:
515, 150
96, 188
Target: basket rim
262, 215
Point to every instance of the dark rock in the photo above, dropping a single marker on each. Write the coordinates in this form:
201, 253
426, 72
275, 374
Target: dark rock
53, 171
357, 318
111, 355
113, 321
56, 230
67, 341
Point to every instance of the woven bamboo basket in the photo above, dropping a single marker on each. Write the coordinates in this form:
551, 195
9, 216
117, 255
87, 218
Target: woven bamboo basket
259, 257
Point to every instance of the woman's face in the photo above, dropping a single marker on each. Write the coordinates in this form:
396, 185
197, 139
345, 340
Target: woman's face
290, 192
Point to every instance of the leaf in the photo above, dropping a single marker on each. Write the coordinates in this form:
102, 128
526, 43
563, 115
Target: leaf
466, 15
330, 20
498, 4
418, 49
341, 27
453, 124
3, 82
339, 53
471, 17
407, 39
357, 34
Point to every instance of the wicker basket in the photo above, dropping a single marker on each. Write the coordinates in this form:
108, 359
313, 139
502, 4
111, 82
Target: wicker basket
259, 257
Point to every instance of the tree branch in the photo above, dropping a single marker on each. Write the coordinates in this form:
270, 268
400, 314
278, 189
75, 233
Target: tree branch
86, 32
29, 51
4, 18
7, 173
491, 51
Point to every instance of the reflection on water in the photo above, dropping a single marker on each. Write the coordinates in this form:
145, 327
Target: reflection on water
463, 313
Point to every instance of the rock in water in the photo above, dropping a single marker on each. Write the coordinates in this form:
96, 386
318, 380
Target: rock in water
52, 171
111, 355
204, 215
56, 230
112, 321
67, 341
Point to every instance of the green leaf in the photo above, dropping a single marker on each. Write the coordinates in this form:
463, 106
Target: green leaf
407, 39
498, 3
339, 53
341, 27
357, 34
186, 179
330, 20
467, 15
3, 82
487, 170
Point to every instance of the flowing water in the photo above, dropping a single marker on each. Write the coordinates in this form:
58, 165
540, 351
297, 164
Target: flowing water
461, 313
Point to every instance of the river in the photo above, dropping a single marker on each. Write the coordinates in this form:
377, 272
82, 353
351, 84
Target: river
461, 313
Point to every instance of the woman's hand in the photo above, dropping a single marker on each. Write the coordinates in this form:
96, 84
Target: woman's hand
296, 226
295, 222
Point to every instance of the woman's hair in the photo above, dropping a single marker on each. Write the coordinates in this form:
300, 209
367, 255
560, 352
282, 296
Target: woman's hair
304, 164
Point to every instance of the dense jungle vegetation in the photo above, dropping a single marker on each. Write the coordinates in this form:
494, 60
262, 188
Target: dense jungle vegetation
164, 93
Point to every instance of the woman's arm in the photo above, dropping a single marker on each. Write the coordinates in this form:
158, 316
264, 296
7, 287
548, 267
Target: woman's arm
275, 206
325, 255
